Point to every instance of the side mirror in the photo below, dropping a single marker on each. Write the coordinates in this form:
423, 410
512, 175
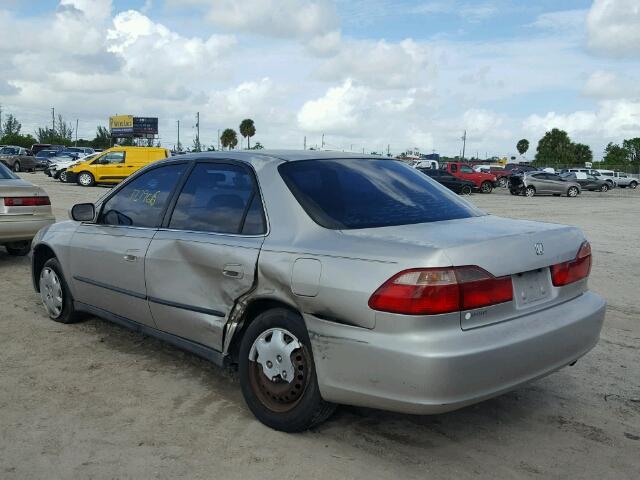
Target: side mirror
83, 212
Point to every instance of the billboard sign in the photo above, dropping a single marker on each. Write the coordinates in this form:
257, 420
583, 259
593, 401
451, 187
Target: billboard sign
121, 125
145, 126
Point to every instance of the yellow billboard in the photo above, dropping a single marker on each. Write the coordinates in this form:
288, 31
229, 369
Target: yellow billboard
121, 124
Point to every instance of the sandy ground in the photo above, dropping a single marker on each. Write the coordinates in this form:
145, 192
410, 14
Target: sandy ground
92, 400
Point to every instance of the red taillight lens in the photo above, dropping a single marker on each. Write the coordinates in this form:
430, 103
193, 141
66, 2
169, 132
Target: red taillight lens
569, 272
26, 201
432, 291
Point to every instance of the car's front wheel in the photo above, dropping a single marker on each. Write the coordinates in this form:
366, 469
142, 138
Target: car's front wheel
486, 187
604, 188
465, 190
17, 167
86, 179
503, 182
530, 192
572, 192
277, 373
55, 294
633, 185
62, 176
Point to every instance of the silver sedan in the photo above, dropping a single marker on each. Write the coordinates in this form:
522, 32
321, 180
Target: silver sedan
326, 279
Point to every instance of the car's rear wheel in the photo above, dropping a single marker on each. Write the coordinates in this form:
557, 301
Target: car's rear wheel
18, 249
486, 187
55, 294
604, 188
277, 373
530, 191
503, 182
465, 190
86, 179
17, 167
633, 185
572, 192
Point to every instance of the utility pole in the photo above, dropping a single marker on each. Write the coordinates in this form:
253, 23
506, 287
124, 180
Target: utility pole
388, 150
0, 120
464, 144
322, 142
218, 139
305, 142
76, 132
198, 131
53, 119
179, 147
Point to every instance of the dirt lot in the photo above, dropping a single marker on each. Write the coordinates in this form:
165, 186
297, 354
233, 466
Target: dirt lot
93, 400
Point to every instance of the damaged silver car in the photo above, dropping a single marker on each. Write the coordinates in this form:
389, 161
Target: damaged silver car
327, 279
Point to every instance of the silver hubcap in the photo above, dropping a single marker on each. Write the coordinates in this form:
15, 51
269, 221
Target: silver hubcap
573, 192
530, 192
272, 350
51, 292
85, 179
63, 176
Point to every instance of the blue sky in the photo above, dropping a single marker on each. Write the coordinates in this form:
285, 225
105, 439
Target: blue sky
366, 73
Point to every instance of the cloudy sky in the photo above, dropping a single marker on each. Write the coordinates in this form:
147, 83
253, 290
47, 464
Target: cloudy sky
366, 73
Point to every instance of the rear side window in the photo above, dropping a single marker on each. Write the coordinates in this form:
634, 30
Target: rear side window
219, 198
141, 202
363, 193
454, 168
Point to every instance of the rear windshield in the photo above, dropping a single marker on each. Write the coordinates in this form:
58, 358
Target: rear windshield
5, 173
363, 193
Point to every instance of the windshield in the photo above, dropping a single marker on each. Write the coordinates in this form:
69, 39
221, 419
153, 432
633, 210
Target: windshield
363, 193
5, 173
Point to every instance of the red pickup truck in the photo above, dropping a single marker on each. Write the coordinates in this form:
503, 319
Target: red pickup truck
485, 182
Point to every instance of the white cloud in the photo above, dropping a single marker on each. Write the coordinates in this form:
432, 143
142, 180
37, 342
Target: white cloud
608, 84
471, 12
338, 111
562, 20
614, 27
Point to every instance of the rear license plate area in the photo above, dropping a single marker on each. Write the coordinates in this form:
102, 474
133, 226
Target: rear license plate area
531, 287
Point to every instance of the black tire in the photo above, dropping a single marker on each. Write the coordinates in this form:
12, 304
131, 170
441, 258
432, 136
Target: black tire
486, 187
89, 182
572, 192
308, 408
633, 185
465, 190
529, 192
513, 192
16, 166
604, 188
67, 314
62, 176
503, 182
18, 249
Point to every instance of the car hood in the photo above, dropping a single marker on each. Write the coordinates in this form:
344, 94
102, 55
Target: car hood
501, 246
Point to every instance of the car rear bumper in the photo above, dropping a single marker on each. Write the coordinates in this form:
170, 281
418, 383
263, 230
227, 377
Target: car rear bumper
426, 372
22, 227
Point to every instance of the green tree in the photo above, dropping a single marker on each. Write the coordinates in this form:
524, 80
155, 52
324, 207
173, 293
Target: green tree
554, 148
257, 146
103, 138
247, 130
522, 146
11, 126
632, 146
18, 140
229, 138
614, 154
582, 153
63, 129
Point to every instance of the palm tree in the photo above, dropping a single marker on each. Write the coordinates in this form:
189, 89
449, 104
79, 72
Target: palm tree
522, 146
247, 130
229, 138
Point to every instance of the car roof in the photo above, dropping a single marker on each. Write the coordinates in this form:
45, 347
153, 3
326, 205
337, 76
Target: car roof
252, 156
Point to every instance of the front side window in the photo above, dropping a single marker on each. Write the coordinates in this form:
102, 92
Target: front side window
466, 169
112, 157
141, 202
362, 193
220, 198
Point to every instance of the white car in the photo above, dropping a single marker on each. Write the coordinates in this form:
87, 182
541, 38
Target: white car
624, 180
58, 168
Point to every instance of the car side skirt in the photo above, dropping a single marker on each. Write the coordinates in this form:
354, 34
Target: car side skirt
198, 349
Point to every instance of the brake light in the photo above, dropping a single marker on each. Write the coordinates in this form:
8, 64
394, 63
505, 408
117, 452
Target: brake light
26, 201
431, 291
569, 272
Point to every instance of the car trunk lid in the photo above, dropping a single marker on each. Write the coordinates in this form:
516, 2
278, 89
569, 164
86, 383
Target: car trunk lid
17, 188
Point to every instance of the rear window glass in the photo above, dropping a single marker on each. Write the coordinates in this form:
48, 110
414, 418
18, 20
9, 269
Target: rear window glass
363, 193
5, 173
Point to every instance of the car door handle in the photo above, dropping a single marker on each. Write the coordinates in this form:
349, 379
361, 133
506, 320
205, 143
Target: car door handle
233, 270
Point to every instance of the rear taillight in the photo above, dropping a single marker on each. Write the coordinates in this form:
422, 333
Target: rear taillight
431, 291
26, 201
569, 272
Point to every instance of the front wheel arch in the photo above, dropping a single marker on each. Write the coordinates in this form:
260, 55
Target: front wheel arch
41, 254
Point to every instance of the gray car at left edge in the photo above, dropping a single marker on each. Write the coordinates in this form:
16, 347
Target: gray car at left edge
326, 278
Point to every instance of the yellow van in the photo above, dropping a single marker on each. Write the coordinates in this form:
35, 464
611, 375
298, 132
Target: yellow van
114, 165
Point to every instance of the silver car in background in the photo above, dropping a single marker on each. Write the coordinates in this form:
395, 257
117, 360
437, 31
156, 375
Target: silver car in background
24, 209
542, 183
326, 278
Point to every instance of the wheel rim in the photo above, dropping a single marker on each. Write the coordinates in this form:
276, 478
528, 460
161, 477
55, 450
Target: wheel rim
279, 369
63, 176
466, 190
530, 192
605, 188
51, 292
85, 179
573, 192
486, 188
503, 182
16, 167
633, 185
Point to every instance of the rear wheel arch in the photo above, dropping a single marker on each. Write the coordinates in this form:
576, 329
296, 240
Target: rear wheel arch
251, 311
41, 254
